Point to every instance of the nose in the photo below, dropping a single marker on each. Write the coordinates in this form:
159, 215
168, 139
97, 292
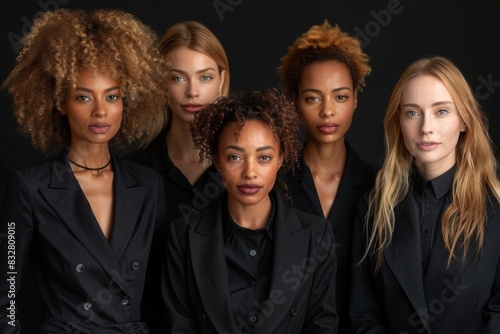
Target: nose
327, 109
192, 90
427, 125
249, 172
100, 109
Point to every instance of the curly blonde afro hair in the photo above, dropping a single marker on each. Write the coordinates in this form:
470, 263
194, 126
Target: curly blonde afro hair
62, 42
323, 43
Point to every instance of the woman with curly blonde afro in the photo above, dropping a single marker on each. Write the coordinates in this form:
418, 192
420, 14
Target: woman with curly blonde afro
323, 72
249, 262
83, 81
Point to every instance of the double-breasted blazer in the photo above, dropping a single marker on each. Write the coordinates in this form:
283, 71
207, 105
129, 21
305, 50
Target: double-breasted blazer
302, 293
358, 178
463, 298
86, 281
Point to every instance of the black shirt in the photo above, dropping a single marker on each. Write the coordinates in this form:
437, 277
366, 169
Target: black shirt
430, 198
249, 256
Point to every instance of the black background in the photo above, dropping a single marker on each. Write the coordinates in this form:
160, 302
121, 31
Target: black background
257, 33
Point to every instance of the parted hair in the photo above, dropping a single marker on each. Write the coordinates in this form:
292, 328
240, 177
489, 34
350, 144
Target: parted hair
198, 37
475, 183
59, 44
323, 43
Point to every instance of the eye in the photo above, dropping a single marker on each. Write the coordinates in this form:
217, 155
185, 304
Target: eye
233, 157
206, 78
266, 158
442, 112
82, 98
177, 79
411, 113
312, 99
341, 98
113, 98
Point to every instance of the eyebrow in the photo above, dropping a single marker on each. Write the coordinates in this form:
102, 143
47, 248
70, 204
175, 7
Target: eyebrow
433, 105
241, 149
90, 90
333, 90
207, 69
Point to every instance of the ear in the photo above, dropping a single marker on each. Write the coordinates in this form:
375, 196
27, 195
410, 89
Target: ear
463, 128
355, 97
215, 161
222, 80
280, 161
62, 111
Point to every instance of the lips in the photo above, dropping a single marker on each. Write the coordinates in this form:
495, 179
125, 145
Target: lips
249, 189
328, 128
99, 128
192, 108
427, 146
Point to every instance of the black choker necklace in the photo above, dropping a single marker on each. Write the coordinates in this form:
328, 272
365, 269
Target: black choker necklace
90, 168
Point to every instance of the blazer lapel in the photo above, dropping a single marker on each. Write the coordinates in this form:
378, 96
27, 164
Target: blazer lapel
403, 258
291, 246
130, 195
65, 196
209, 265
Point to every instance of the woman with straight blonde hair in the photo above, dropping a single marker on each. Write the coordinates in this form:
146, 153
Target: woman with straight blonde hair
427, 237
198, 75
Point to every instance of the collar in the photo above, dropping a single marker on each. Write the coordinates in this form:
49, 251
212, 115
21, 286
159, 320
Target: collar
229, 226
440, 185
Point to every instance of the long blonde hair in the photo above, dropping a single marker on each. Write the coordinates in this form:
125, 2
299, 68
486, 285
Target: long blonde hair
475, 177
195, 36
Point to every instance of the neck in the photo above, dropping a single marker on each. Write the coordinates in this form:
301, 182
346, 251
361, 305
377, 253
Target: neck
254, 216
179, 140
330, 157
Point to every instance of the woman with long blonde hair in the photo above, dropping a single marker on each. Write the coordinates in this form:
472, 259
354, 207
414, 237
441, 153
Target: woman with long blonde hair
427, 237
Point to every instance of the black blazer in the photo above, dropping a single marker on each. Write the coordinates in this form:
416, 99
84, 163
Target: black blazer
358, 178
85, 280
195, 280
463, 299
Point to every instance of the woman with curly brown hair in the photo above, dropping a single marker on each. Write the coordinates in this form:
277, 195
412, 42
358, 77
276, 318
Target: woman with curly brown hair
249, 263
323, 72
85, 219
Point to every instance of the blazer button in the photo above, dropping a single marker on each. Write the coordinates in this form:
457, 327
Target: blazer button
202, 316
293, 312
125, 301
87, 306
135, 265
80, 268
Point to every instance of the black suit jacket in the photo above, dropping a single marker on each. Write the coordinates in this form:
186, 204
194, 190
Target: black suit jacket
302, 293
85, 280
358, 178
461, 299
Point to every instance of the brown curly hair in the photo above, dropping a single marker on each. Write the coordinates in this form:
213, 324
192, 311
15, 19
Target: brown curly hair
268, 106
63, 41
323, 43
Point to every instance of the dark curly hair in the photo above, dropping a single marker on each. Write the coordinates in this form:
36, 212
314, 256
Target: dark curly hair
56, 48
323, 43
268, 106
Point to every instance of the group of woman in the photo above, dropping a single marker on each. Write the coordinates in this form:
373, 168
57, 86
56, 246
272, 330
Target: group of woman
224, 220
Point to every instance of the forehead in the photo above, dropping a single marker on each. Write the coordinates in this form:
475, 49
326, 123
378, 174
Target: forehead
428, 87
184, 58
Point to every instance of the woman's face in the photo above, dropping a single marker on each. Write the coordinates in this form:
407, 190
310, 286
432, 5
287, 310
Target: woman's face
326, 101
194, 82
430, 125
249, 164
94, 108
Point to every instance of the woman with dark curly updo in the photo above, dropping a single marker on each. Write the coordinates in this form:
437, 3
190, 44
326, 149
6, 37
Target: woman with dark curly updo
323, 72
83, 81
250, 263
